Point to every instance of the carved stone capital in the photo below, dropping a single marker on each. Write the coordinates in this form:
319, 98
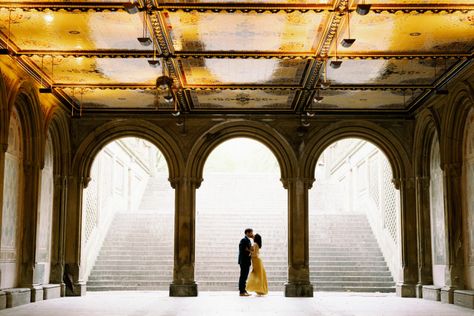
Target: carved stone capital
408, 183
307, 182
424, 182
196, 182
452, 169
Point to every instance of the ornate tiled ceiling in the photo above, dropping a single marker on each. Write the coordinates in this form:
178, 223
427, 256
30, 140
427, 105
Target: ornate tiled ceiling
241, 55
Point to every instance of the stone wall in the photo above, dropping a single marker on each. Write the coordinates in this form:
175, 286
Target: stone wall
438, 233
468, 197
12, 204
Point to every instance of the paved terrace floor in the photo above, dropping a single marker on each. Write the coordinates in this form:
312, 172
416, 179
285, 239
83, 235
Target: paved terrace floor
229, 304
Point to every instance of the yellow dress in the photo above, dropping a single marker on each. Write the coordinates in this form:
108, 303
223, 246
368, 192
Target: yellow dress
257, 281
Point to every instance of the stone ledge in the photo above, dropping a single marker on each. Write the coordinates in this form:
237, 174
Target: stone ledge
432, 292
406, 290
447, 295
18, 296
51, 291
464, 298
3, 300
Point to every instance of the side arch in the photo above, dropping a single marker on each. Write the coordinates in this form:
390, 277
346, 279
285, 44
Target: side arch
103, 135
384, 139
220, 133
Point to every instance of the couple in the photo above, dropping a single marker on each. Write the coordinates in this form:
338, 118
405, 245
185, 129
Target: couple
249, 255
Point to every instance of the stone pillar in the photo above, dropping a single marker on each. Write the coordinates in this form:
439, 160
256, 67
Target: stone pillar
298, 284
406, 287
31, 273
184, 237
3, 150
73, 251
423, 223
453, 226
58, 231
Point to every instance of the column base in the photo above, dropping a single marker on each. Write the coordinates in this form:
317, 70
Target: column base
36, 293
447, 295
3, 300
183, 290
79, 289
298, 290
406, 290
432, 292
419, 290
51, 291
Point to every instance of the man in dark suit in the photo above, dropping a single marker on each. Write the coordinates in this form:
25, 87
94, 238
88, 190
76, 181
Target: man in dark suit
245, 261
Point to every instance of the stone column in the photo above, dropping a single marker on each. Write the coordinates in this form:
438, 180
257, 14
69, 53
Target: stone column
58, 237
184, 237
423, 223
453, 226
406, 287
73, 251
31, 273
298, 284
3, 150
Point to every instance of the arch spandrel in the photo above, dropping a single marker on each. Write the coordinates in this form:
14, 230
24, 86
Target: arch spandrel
384, 139
103, 135
260, 132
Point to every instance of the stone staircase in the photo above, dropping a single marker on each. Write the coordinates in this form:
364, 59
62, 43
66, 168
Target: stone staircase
137, 254
345, 256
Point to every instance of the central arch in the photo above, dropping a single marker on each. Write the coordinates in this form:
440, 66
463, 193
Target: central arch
263, 133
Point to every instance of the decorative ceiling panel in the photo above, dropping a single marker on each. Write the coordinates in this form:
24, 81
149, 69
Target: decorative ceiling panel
390, 72
115, 98
366, 99
260, 32
80, 70
251, 1
243, 99
386, 33
61, 30
405, 2
213, 71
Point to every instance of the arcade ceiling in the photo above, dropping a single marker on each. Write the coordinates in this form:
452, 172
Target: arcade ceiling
239, 56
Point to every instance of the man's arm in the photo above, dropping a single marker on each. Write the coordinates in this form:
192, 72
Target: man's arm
243, 246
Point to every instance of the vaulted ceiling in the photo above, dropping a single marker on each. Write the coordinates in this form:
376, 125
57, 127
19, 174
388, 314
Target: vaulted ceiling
241, 56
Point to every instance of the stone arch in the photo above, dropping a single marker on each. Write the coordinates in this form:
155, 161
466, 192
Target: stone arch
461, 101
385, 140
99, 138
220, 133
32, 120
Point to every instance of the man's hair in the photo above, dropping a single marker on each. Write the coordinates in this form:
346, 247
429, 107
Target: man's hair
248, 230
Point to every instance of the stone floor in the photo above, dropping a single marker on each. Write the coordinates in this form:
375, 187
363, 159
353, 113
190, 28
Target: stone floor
228, 304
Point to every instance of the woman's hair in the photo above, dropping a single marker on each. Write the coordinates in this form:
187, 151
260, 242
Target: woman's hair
258, 240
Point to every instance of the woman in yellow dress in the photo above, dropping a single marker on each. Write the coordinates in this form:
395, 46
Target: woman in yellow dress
257, 281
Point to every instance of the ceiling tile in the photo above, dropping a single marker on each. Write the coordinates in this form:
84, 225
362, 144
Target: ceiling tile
389, 72
365, 99
82, 70
386, 33
259, 32
115, 98
213, 71
243, 99
61, 30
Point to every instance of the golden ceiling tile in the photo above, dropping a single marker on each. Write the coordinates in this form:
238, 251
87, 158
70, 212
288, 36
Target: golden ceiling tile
389, 72
213, 71
81, 70
276, 32
409, 33
115, 98
253, 1
408, 2
365, 99
32, 30
243, 99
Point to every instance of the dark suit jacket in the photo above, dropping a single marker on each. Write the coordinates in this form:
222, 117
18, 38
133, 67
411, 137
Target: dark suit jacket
244, 253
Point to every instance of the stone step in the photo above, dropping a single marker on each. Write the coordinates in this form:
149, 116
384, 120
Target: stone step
371, 289
129, 278
354, 273
100, 288
338, 278
153, 257
343, 284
